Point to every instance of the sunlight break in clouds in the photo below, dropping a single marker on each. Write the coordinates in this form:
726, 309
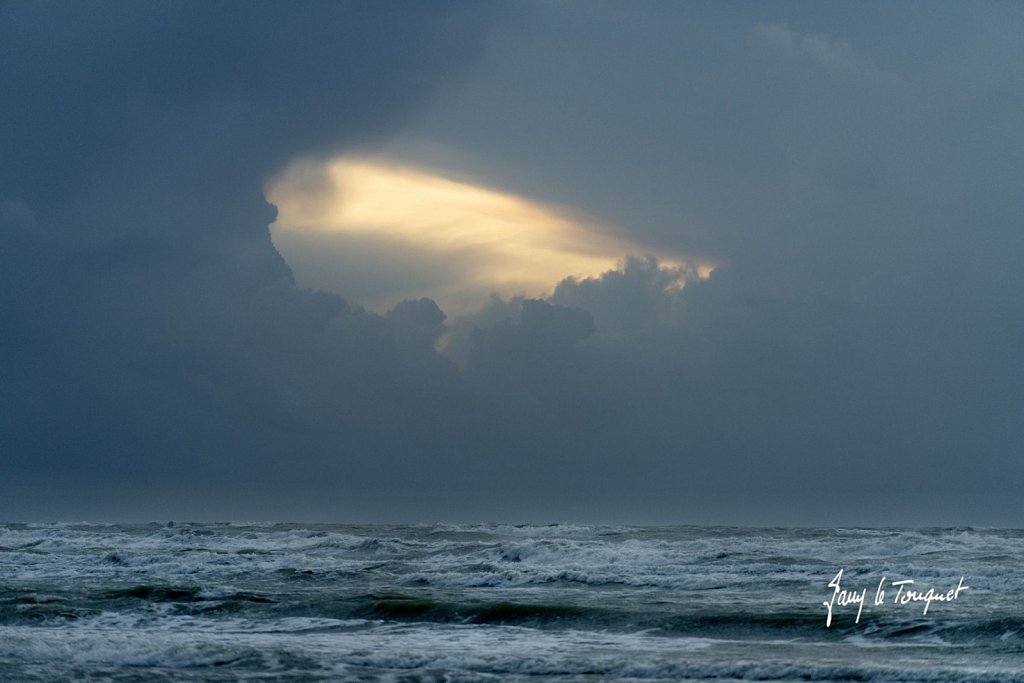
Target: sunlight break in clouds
377, 233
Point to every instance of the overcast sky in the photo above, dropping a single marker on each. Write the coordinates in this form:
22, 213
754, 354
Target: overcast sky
644, 262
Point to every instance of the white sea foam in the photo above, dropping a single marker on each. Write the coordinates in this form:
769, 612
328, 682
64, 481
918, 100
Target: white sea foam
464, 650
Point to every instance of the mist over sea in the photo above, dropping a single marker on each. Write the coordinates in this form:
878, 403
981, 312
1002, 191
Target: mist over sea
300, 602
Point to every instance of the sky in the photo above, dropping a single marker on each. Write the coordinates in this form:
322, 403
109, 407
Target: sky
750, 263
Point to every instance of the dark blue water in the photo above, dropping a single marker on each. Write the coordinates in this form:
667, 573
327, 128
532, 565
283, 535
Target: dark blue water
227, 602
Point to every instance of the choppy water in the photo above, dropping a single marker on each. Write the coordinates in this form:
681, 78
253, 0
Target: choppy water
226, 602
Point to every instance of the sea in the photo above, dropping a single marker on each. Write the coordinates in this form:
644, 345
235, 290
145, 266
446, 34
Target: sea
491, 602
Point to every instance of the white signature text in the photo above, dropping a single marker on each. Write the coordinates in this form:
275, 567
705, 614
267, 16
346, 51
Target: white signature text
905, 593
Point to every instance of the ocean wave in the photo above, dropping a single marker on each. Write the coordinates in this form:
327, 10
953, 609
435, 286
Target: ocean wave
462, 652
468, 602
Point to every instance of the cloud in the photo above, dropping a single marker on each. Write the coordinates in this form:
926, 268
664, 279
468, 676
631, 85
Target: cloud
379, 232
853, 190
851, 359
153, 336
640, 295
829, 53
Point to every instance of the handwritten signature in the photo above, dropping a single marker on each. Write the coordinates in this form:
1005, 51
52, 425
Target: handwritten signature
904, 594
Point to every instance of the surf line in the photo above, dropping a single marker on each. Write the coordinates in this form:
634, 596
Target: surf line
843, 597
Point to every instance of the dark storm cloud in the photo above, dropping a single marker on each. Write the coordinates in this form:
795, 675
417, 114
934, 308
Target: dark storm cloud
162, 101
153, 339
854, 180
855, 357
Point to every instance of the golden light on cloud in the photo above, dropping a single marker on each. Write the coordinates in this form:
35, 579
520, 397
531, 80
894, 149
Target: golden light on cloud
377, 233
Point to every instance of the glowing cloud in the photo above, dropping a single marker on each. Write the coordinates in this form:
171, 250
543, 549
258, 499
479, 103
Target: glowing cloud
377, 233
